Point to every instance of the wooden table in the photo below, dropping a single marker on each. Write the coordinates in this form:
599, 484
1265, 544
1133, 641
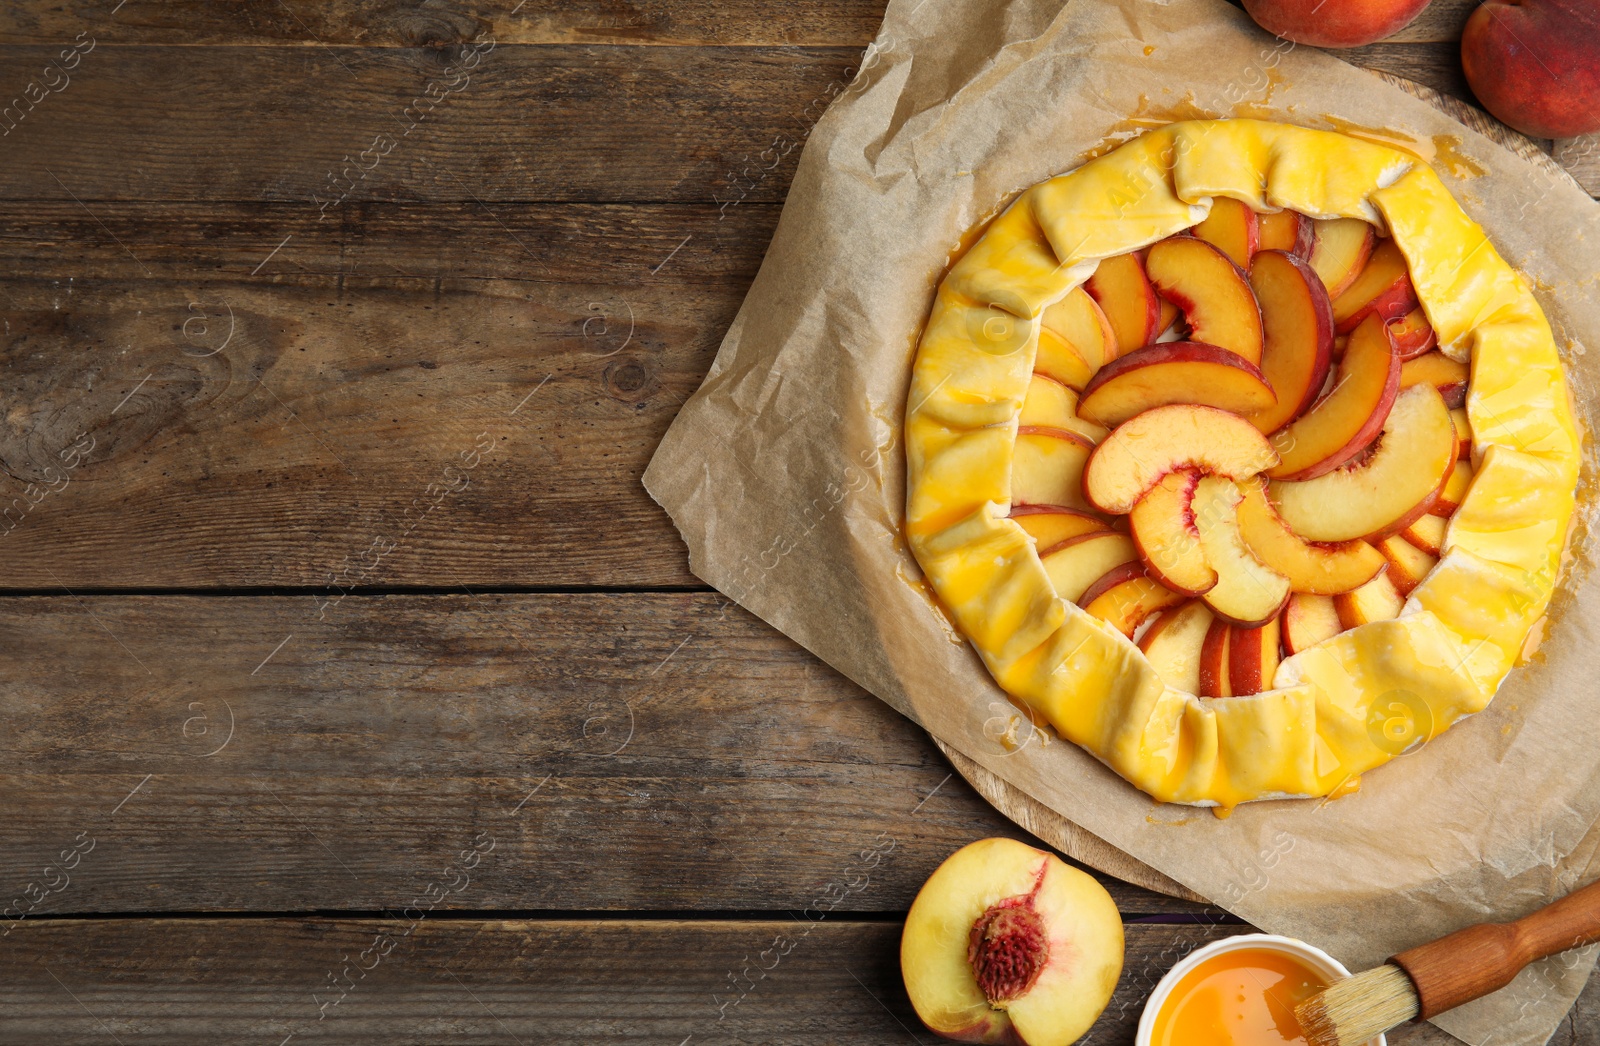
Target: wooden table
354, 689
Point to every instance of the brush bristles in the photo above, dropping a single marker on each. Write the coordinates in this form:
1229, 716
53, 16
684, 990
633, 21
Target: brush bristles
1360, 1008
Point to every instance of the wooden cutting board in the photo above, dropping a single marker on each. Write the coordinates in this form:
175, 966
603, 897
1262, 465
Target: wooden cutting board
1077, 842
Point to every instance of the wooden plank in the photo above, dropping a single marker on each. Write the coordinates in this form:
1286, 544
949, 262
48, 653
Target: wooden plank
268, 394
1581, 158
663, 752
1439, 22
381, 23
332, 127
414, 23
1436, 65
329, 124
176, 981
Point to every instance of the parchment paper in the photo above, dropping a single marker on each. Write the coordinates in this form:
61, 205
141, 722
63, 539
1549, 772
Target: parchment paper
785, 473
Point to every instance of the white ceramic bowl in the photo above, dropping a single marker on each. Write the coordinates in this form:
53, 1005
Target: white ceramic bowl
1326, 965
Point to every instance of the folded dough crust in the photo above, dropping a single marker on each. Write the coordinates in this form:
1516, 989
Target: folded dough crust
1326, 721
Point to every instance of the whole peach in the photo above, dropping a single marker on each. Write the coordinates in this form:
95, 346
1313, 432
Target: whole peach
1334, 23
1535, 64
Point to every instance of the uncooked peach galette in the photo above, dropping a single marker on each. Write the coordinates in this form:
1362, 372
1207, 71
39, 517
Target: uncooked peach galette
1241, 457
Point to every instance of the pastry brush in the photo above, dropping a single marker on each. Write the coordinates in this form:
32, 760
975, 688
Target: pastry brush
1432, 978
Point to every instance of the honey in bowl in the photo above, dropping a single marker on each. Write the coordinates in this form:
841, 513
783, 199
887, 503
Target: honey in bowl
1244, 997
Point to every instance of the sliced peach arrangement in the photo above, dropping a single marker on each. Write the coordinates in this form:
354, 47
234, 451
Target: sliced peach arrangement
1240, 442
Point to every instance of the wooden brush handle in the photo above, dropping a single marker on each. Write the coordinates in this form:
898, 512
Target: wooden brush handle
1473, 962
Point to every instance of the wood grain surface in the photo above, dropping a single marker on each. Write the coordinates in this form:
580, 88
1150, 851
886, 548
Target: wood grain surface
337, 335
784, 980
260, 414
627, 751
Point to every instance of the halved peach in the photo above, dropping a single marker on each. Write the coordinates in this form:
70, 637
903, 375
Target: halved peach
1458, 417
1078, 321
1052, 405
1174, 372
1231, 228
1047, 468
1252, 658
1408, 564
1320, 569
1342, 424
1454, 490
1443, 373
1341, 250
1058, 360
1247, 592
1123, 292
1377, 600
1412, 334
1388, 489
1126, 596
1213, 676
1288, 231
1162, 527
1009, 944
1173, 644
1079, 562
1308, 620
1427, 533
1144, 448
1297, 328
1383, 286
1212, 291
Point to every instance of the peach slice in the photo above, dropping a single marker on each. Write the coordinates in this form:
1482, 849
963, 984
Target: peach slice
1163, 530
1412, 334
1173, 644
1058, 360
1408, 564
1170, 315
1387, 490
1320, 569
1078, 321
1247, 592
1123, 292
1212, 291
1443, 373
1079, 562
1458, 417
1308, 620
1341, 250
1454, 490
1050, 527
1377, 600
1342, 424
1008, 944
1427, 533
1214, 661
1144, 448
1052, 405
1047, 468
1126, 596
1174, 372
1297, 327
1288, 231
1252, 658
1383, 287
1231, 228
